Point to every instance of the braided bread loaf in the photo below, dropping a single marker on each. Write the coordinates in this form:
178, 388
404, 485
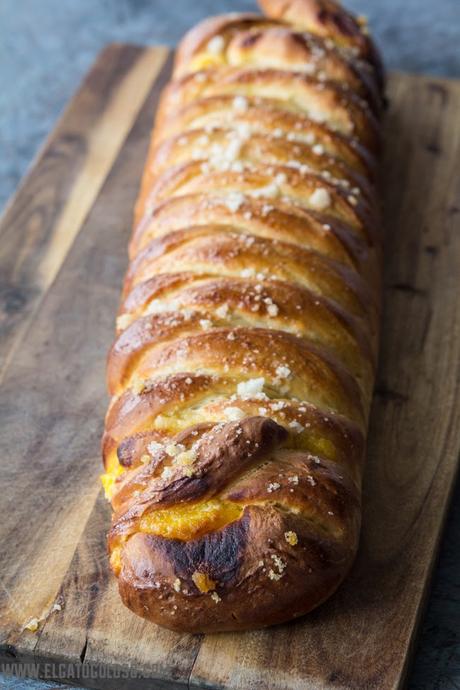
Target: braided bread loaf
242, 372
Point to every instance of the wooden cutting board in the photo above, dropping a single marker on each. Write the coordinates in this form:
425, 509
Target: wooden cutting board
62, 258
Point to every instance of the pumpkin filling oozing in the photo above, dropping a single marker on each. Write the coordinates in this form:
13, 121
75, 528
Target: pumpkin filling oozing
190, 521
109, 478
183, 522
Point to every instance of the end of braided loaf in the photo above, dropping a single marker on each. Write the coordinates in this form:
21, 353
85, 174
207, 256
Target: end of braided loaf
242, 371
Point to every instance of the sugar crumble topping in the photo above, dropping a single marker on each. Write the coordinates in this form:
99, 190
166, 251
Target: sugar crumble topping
240, 104
296, 426
216, 45
320, 199
250, 388
234, 414
282, 371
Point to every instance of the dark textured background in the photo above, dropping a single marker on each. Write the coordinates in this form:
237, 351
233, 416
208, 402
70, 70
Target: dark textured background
46, 46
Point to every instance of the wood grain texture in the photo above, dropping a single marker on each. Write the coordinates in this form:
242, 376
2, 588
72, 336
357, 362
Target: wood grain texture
53, 396
51, 204
53, 400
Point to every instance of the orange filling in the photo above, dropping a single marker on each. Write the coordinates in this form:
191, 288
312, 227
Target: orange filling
190, 521
203, 582
109, 478
205, 61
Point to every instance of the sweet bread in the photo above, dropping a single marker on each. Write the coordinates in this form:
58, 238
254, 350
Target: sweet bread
242, 371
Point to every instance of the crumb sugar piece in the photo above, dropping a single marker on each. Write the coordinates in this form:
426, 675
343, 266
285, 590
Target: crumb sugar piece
294, 479
234, 201
274, 576
243, 130
176, 585
291, 538
273, 486
215, 597
270, 190
234, 414
320, 199
263, 411
187, 457
283, 372
279, 563
173, 449
250, 388
216, 45
158, 306
311, 480
233, 150
318, 149
240, 104
205, 324
277, 406
222, 311
154, 447
296, 426
145, 459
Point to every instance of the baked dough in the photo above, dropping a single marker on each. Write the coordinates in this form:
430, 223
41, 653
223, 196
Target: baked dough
242, 372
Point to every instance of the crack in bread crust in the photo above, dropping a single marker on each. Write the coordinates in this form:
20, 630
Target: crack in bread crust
242, 370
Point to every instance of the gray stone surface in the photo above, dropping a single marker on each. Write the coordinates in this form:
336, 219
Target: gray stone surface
46, 46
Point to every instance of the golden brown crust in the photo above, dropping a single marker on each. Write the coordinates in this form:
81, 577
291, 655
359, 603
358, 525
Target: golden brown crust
327, 18
242, 370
